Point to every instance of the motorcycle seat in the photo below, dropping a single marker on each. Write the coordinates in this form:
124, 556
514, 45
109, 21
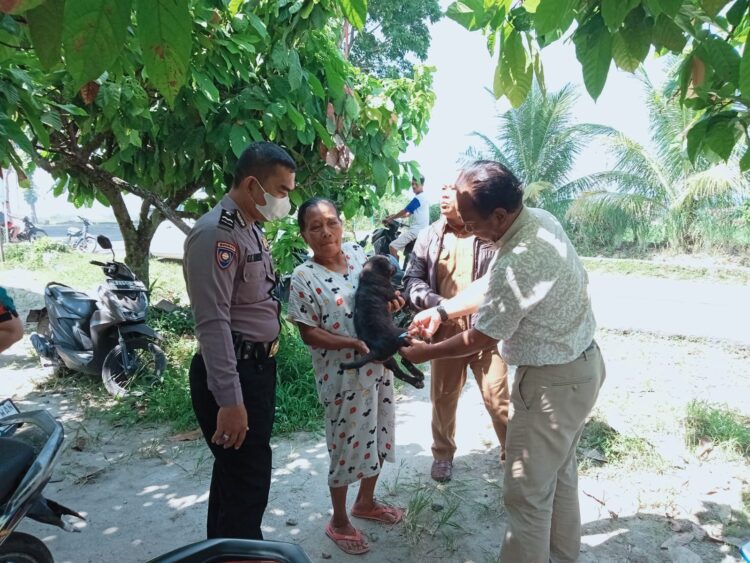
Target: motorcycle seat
15, 459
76, 302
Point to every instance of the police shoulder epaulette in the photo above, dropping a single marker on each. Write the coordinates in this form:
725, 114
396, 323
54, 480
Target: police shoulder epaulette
226, 220
239, 218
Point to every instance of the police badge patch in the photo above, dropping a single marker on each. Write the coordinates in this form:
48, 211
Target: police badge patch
225, 253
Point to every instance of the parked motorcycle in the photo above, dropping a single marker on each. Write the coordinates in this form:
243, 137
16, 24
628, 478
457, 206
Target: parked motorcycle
107, 336
382, 238
79, 237
244, 551
30, 231
24, 472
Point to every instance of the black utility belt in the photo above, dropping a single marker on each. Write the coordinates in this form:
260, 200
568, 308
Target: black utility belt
247, 350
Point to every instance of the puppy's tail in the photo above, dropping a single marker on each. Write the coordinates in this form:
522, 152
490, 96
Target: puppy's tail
366, 359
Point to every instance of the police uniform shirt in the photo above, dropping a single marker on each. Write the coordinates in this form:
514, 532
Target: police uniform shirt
229, 276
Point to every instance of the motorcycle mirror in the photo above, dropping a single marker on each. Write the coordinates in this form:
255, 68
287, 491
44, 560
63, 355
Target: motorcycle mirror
104, 242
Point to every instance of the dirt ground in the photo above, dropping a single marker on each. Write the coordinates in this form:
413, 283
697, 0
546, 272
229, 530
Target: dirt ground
144, 493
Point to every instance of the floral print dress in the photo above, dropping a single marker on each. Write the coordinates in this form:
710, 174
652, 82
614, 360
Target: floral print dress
359, 405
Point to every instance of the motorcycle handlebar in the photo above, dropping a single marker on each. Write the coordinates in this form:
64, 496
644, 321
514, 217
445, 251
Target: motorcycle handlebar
97, 263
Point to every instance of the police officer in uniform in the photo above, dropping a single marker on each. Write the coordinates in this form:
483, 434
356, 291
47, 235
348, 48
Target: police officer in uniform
230, 279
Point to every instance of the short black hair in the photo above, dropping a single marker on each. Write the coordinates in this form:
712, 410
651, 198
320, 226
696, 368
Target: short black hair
420, 180
259, 158
492, 186
313, 202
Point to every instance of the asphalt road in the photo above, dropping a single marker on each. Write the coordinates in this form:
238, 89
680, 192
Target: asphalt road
110, 230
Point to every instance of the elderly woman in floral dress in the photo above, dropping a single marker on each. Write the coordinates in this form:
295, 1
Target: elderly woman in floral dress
359, 404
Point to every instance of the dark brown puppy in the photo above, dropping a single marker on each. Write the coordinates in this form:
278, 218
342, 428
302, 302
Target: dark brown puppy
374, 324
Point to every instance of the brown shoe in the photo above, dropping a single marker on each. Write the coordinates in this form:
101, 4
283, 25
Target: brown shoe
442, 470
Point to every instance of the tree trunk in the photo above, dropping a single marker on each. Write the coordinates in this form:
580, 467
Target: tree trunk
137, 240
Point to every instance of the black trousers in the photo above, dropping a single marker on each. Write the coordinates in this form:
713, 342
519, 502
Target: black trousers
241, 478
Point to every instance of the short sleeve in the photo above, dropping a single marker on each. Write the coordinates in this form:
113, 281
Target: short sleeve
303, 307
413, 205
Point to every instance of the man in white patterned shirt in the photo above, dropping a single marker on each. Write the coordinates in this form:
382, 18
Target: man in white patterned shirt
535, 301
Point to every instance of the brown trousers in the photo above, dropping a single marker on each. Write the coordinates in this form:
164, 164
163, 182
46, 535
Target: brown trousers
447, 382
549, 406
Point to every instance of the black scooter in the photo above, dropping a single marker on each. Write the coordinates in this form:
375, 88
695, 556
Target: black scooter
107, 336
24, 472
80, 239
382, 238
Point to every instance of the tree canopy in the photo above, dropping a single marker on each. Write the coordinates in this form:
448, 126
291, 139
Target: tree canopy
257, 70
710, 36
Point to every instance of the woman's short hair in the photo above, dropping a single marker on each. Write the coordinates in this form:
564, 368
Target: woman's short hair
492, 186
313, 202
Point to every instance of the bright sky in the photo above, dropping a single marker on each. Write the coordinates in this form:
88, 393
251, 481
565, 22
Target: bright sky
464, 70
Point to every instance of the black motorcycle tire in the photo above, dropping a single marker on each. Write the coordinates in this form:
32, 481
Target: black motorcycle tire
36, 235
117, 382
24, 548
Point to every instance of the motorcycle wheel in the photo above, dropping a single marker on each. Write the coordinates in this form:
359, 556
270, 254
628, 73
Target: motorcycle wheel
24, 548
146, 365
36, 235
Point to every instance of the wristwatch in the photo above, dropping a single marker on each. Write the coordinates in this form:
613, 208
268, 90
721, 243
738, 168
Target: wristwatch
441, 311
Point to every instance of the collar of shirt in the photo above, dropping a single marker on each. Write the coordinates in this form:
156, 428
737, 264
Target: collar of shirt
230, 205
519, 222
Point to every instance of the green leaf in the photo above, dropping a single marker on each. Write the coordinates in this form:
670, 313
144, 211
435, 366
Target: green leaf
52, 118
72, 109
295, 70
239, 139
295, 117
469, 13
207, 86
670, 7
497, 83
594, 51
615, 11
630, 46
10, 130
695, 138
164, 33
94, 33
380, 173
745, 70
516, 70
667, 34
554, 15
46, 31
351, 107
258, 25
355, 11
234, 6
713, 7
735, 13
722, 135
722, 57
315, 86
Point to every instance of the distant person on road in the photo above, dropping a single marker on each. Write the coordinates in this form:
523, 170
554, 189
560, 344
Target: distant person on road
11, 327
419, 211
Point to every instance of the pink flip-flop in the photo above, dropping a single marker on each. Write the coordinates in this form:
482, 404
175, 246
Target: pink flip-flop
343, 541
382, 513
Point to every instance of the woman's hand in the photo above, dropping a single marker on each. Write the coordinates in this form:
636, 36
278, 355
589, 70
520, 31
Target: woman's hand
417, 352
396, 304
425, 324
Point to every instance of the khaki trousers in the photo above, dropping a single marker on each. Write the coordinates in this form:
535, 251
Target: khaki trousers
549, 406
447, 382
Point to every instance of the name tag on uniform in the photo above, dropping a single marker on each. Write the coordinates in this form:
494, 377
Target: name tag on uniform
255, 257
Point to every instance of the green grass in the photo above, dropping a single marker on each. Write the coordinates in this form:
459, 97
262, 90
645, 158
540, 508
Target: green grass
618, 449
722, 426
627, 266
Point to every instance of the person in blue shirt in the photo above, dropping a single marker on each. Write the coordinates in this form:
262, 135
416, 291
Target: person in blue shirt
11, 327
419, 211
